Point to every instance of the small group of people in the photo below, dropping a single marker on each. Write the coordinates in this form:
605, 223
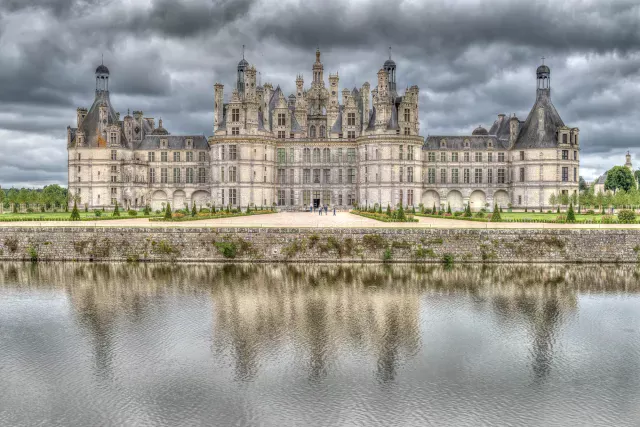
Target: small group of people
324, 208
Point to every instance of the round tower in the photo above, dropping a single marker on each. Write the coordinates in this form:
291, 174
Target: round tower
543, 74
390, 67
243, 65
102, 78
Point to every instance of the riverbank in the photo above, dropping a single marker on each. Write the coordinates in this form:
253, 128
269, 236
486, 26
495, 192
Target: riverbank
319, 245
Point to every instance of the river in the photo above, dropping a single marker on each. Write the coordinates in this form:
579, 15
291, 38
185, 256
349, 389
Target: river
309, 345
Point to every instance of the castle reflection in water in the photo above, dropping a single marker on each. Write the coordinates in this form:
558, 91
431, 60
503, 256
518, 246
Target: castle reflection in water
324, 312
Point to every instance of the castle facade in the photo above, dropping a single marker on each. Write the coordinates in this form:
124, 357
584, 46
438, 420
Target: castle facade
320, 145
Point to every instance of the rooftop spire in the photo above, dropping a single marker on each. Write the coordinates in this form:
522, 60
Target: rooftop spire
389, 52
242, 51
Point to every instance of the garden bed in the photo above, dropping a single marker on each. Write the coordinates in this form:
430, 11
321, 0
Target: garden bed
384, 217
217, 215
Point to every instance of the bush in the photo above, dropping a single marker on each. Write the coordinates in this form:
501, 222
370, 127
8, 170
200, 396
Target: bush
178, 215
227, 249
387, 255
480, 214
627, 216
167, 211
75, 215
116, 211
456, 214
133, 212
607, 219
495, 217
147, 210
590, 212
98, 214
571, 215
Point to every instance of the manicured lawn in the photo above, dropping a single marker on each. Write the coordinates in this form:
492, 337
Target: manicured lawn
546, 216
65, 216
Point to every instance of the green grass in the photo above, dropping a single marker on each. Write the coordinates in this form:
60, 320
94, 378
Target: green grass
547, 216
63, 216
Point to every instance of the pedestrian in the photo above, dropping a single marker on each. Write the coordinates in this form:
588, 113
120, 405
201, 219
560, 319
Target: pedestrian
334, 211
326, 209
310, 207
319, 211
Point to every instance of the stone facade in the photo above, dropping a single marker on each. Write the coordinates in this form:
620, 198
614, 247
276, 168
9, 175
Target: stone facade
320, 146
328, 245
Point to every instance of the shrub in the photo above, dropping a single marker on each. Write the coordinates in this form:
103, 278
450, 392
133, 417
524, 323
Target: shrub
227, 249
467, 211
75, 215
480, 214
178, 215
561, 218
98, 214
627, 216
193, 209
29, 210
116, 211
495, 217
447, 259
313, 239
456, 214
167, 212
373, 241
146, 211
571, 215
590, 212
33, 253
607, 219
386, 256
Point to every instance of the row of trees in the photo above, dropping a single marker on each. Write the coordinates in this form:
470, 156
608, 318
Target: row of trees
51, 196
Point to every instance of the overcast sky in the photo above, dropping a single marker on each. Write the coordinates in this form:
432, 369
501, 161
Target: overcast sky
470, 59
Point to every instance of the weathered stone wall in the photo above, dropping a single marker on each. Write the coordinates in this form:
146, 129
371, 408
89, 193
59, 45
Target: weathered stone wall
317, 245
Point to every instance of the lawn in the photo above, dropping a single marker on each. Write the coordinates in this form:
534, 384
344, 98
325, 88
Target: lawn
65, 216
546, 216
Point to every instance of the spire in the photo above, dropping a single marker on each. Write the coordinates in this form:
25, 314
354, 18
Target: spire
242, 51
389, 52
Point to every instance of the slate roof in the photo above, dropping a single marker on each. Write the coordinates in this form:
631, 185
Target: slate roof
500, 127
530, 135
337, 126
174, 142
90, 124
456, 143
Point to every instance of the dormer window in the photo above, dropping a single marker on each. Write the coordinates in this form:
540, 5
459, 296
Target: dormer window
443, 143
189, 143
466, 143
490, 144
235, 114
163, 143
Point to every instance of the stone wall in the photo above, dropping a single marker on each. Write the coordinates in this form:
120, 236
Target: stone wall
317, 245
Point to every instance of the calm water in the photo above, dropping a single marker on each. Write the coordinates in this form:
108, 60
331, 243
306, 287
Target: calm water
88, 345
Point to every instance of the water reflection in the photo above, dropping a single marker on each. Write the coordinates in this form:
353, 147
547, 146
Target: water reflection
319, 335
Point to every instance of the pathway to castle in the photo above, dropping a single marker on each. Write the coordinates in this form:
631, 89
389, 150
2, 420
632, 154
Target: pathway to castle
305, 219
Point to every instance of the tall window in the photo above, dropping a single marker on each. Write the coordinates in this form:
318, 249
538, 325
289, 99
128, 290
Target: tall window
401, 174
564, 138
351, 119
235, 114
189, 175
407, 131
409, 174
466, 156
306, 155
351, 134
339, 155
565, 174
443, 156
466, 176
306, 176
339, 176
189, 156
291, 197
351, 155
222, 177
352, 175
233, 152
432, 157
176, 175
151, 156
454, 157
282, 134
478, 176
113, 138
410, 197
163, 175
322, 131
152, 175
316, 155
489, 176
281, 155
280, 176
401, 152
312, 131
575, 155
233, 196
575, 174
565, 154
407, 115
478, 157
431, 177
176, 156
326, 155
326, 176
232, 174
501, 176
443, 176
522, 155
202, 178
522, 174
409, 152
281, 197
291, 175
501, 157
454, 176
316, 176
113, 154
291, 155
489, 157
282, 119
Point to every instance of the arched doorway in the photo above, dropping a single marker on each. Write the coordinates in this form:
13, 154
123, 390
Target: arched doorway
477, 200
431, 198
200, 198
501, 197
178, 200
158, 198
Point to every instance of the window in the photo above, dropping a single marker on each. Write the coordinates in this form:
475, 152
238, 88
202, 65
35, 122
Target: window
454, 157
113, 154
78, 169
351, 134
326, 155
431, 176
113, 138
202, 177
352, 175
565, 154
501, 157
163, 156
163, 175
235, 114
339, 176
466, 156
407, 115
291, 155
282, 134
176, 174
409, 152
410, 197
466, 176
306, 176
443, 157
575, 155
233, 152
114, 169
443, 176
454, 176
322, 131
339, 156
152, 175
401, 175
351, 155
235, 131
176, 156
478, 157
366, 174
312, 132
316, 176
189, 156
222, 174
114, 178
282, 119
316, 155
432, 157
280, 174
401, 152
522, 155
291, 197
189, 175
306, 155
489, 157
501, 176
478, 176
232, 174
326, 176
520, 200
400, 196
222, 193
281, 197
306, 197
409, 174
575, 174
233, 196
291, 175
407, 131
351, 119
565, 174
489, 176
521, 174
281, 155
564, 138
114, 191
151, 156
339, 199
223, 151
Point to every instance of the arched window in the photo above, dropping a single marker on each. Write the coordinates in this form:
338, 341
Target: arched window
316, 155
312, 132
326, 155
322, 131
306, 155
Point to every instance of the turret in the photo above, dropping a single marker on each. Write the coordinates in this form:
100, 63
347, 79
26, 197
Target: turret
543, 81
218, 105
318, 71
81, 114
102, 78
243, 65
364, 94
334, 81
514, 129
390, 67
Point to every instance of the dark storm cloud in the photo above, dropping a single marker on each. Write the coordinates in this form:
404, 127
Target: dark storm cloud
472, 59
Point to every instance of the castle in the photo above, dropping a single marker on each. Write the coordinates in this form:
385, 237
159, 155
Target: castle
315, 147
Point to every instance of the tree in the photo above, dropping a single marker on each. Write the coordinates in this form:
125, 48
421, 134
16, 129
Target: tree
401, 216
388, 210
619, 177
571, 216
167, 212
116, 211
193, 209
467, 211
553, 200
2, 198
636, 175
582, 185
449, 208
495, 217
75, 215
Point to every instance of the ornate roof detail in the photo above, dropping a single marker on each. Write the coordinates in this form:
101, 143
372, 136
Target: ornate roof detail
480, 131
